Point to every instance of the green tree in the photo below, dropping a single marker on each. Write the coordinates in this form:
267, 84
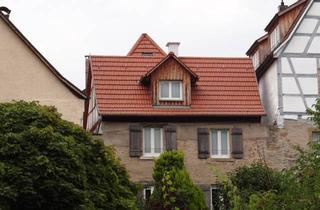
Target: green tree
174, 189
49, 163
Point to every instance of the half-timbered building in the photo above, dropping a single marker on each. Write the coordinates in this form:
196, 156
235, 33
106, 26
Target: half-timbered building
287, 62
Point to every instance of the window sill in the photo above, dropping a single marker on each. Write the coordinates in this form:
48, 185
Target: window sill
170, 99
148, 157
216, 159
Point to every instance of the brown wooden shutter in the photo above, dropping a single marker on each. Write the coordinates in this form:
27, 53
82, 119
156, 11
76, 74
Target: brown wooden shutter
237, 143
203, 143
135, 141
170, 135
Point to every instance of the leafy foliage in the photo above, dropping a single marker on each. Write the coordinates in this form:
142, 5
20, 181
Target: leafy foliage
49, 163
174, 189
297, 188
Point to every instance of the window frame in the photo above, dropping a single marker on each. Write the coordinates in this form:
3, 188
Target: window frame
214, 187
151, 188
219, 142
316, 133
256, 59
152, 154
275, 37
170, 98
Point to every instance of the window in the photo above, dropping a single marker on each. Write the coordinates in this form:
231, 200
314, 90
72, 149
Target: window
256, 60
152, 146
316, 136
220, 147
217, 198
147, 54
275, 38
170, 90
147, 192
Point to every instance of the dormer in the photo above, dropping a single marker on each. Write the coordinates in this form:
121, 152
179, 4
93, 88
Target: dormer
170, 82
146, 47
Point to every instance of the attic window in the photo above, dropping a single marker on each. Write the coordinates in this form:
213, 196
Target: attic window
147, 54
275, 38
170, 90
255, 59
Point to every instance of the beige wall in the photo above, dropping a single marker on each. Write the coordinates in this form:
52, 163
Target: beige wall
260, 142
24, 77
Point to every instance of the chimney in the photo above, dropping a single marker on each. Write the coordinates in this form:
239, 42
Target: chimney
282, 6
5, 11
173, 47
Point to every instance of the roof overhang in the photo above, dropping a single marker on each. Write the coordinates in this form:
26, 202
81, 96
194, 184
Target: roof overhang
256, 44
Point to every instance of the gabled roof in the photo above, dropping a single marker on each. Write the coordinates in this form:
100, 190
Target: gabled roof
171, 55
145, 44
275, 19
76, 91
256, 44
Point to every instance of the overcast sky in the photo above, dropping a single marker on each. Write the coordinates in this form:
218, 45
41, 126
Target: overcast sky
64, 31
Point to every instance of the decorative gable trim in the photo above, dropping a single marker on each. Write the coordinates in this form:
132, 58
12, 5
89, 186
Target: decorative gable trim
145, 78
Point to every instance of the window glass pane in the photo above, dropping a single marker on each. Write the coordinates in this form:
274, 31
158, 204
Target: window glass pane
147, 140
164, 89
217, 198
214, 137
175, 89
224, 142
316, 136
157, 140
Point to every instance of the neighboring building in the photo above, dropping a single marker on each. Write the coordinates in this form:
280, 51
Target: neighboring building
287, 63
149, 101
26, 75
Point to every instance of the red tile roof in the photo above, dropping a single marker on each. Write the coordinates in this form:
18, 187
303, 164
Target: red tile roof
226, 87
145, 44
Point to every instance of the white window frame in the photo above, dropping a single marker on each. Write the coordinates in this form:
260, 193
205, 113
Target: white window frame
275, 38
151, 188
256, 59
152, 153
219, 155
170, 98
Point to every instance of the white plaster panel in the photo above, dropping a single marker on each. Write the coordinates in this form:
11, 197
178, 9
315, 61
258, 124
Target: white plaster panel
309, 85
293, 104
297, 44
315, 9
268, 86
304, 65
310, 101
290, 117
289, 86
285, 67
315, 46
307, 26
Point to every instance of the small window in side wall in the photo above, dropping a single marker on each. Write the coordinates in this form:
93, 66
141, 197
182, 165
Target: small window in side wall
170, 90
275, 38
316, 136
152, 142
256, 59
147, 192
220, 143
217, 198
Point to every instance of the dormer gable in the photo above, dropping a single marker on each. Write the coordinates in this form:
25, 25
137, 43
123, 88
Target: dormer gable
145, 46
170, 82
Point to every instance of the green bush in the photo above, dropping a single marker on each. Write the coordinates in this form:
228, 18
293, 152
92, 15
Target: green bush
49, 163
174, 189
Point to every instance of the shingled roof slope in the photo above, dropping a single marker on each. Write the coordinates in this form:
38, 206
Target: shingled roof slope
226, 87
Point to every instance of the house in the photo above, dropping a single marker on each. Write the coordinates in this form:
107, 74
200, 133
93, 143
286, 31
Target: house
287, 63
150, 101
27, 75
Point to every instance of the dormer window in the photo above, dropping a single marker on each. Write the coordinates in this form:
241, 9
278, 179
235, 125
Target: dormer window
275, 38
170, 90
